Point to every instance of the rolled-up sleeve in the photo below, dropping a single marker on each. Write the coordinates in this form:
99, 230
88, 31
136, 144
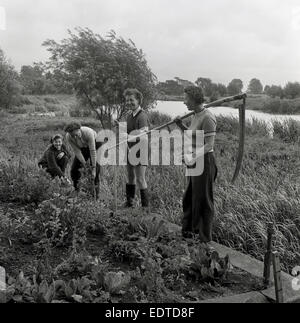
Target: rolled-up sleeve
76, 150
91, 140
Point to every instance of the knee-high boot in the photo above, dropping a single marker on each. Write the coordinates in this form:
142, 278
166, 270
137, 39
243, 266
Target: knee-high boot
145, 198
130, 195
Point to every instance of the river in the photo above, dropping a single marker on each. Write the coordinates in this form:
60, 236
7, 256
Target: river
174, 108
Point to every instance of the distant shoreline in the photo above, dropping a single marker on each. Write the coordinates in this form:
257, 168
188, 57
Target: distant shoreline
262, 103
172, 98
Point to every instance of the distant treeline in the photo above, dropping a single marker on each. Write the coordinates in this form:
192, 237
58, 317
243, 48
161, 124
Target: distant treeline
98, 81
213, 91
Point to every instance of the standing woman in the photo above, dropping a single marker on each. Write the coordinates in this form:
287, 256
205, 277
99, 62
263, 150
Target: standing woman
56, 158
137, 123
198, 201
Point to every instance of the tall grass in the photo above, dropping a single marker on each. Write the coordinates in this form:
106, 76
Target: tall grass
267, 189
288, 131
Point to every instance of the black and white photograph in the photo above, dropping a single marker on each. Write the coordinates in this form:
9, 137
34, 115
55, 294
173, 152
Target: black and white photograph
149, 154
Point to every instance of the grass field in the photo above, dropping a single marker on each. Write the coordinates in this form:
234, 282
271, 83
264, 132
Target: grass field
268, 190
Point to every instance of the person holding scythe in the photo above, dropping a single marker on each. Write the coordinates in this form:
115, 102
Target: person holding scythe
198, 200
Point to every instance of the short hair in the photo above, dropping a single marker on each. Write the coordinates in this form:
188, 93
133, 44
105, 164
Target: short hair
138, 95
195, 93
72, 127
55, 137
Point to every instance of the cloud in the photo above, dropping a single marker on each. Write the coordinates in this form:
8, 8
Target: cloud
220, 39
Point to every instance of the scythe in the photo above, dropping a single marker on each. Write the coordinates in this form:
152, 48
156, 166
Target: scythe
242, 123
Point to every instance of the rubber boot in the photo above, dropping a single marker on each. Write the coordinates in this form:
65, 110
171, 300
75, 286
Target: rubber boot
130, 195
97, 192
145, 198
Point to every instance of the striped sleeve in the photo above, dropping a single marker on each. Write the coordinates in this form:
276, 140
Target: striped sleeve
210, 126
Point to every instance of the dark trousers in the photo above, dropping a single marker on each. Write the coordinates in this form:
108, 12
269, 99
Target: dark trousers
198, 201
77, 166
61, 163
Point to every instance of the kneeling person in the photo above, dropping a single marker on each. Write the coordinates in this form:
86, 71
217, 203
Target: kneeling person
56, 158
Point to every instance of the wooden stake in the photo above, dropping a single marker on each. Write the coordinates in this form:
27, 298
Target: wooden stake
2, 285
115, 190
268, 255
277, 277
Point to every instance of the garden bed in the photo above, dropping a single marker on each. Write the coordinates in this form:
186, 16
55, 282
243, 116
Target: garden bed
126, 257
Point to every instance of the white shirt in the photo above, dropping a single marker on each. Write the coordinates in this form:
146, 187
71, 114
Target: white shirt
136, 112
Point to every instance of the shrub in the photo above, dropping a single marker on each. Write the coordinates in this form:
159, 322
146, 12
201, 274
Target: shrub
288, 131
156, 118
52, 107
61, 221
18, 110
40, 109
51, 100
3, 114
279, 106
78, 111
23, 182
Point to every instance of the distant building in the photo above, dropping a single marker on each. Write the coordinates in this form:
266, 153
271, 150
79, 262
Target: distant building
184, 83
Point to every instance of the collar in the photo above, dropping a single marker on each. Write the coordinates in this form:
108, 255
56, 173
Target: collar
202, 109
136, 112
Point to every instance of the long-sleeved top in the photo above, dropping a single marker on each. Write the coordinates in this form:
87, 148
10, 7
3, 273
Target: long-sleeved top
88, 140
50, 158
137, 121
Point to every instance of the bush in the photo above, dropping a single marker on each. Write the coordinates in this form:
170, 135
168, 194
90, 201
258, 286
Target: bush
52, 107
40, 109
23, 182
51, 100
279, 106
289, 131
18, 110
156, 118
3, 114
61, 222
79, 111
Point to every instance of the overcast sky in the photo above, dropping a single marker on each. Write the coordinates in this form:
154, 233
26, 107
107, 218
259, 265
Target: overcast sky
219, 39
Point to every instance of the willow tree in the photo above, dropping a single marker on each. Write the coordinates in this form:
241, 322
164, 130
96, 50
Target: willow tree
100, 69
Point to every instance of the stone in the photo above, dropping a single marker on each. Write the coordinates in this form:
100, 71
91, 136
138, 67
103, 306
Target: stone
257, 298
2, 285
294, 300
251, 297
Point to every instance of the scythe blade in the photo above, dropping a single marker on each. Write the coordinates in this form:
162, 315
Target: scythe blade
242, 132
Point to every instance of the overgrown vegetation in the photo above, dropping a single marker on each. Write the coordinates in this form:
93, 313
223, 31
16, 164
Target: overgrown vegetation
70, 248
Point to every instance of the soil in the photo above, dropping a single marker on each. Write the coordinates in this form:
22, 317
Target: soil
19, 257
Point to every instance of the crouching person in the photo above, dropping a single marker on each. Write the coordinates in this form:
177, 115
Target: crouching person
83, 142
56, 158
